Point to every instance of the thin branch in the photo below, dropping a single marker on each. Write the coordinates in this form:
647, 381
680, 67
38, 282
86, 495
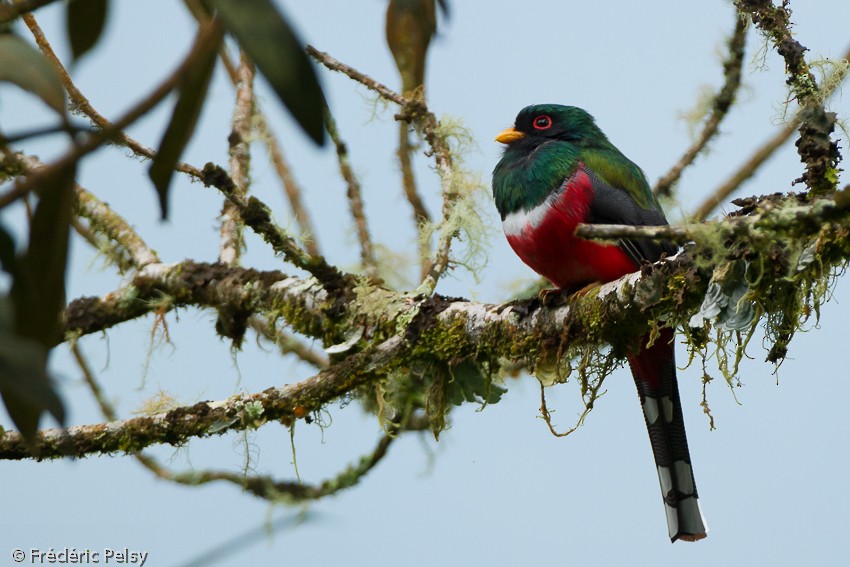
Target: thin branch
257, 216
78, 102
240, 159
9, 12
761, 155
420, 213
309, 236
721, 103
287, 343
679, 234
293, 192
102, 218
113, 131
816, 147
745, 171
416, 112
355, 198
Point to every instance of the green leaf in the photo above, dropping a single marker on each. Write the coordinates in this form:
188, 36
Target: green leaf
7, 251
469, 384
270, 42
38, 296
85, 20
193, 90
24, 384
38, 289
25, 66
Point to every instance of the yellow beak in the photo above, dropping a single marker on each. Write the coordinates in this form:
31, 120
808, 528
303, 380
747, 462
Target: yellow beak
509, 135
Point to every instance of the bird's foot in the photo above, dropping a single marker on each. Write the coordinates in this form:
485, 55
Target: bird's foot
553, 297
579, 293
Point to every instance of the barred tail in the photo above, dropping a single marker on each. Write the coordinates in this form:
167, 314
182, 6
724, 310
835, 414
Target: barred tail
654, 371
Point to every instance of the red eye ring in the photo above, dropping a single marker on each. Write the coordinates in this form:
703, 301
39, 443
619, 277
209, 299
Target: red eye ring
542, 122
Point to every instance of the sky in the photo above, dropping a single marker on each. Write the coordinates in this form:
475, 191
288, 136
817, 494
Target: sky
498, 488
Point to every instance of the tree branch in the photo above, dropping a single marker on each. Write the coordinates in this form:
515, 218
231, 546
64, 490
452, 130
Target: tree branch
203, 419
239, 143
355, 198
415, 111
720, 105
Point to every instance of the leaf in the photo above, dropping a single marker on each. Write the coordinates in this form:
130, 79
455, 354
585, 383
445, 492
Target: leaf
85, 21
38, 289
38, 296
7, 251
469, 384
24, 384
25, 66
193, 90
271, 43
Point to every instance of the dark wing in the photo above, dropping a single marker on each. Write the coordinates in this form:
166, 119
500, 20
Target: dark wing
614, 206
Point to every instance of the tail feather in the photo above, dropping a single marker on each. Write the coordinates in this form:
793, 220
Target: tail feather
654, 371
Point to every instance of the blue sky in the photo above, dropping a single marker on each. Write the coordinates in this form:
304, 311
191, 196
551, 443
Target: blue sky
497, 489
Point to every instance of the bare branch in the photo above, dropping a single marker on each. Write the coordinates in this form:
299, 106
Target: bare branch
420, 213
19, 8
207, 34
415, 111
79, 102
240, 159
355, 198
721, 103
293, 191
761, 155
287, 343
745, 171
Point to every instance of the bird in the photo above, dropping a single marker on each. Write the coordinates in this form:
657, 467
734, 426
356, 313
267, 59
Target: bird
559, 170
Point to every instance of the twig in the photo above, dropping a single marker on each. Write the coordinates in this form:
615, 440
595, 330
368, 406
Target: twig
618, 231
309, 236
78, 102
106, 408
723, 100
355, 198
240, 159
20, 7
757, 159
101, 217
287, 343
113, 131
370, 83
420, 213
745, 171
816, 147
415, 111
257, 215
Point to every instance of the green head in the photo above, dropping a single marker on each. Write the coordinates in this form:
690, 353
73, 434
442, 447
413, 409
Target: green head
544, 147
540, 123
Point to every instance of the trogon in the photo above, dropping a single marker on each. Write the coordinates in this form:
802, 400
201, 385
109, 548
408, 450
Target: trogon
559, 170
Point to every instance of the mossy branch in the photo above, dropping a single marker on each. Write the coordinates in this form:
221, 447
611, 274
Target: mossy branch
792, 246
204, 419
817, 150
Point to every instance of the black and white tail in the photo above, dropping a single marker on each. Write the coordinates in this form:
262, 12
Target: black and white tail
654, 371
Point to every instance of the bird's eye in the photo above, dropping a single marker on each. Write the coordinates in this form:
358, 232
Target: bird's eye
542, 122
